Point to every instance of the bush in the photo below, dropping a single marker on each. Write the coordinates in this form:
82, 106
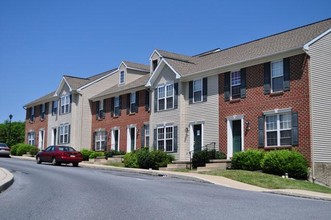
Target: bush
23, 149
145, 159
33, 151
280, 162
247, 160
13, 149
131, 160
200, 158
96, 154
113, 153
86, 154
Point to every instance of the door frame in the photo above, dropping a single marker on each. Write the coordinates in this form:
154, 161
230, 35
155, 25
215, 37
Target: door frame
191, 130
128, 138
41, 138
113, 138
54, 136
229, 123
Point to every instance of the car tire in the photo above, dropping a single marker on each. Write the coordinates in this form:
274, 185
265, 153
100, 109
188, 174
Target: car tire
54, 162
75, 164
38, 160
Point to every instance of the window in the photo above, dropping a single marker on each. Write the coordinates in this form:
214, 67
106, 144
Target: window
122, 77
166, 97
100, 140
155, 63
42, 111
279, 129
165, 140
32, 112
115, 139
100, 109
54, 107
65, 104
31, 138
133, 102
64, 136
235, 84
117, 106
277, 76
197, 90
146, 135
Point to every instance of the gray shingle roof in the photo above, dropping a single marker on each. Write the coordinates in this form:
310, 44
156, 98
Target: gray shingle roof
274, 44
41, 100
136, 66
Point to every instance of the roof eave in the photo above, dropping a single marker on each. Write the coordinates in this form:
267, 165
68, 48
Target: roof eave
307, 45
158, 71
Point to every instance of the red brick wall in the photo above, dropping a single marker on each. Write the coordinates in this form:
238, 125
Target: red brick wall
36, 125
256, 102
121, 121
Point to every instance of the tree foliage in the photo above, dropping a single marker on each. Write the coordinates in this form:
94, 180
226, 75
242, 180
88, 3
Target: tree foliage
12, 133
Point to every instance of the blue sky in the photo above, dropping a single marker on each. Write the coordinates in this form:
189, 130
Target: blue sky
40, 41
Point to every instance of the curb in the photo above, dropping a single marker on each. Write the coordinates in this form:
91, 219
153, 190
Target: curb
7, 181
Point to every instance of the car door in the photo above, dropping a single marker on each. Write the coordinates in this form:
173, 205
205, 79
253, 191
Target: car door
48, 154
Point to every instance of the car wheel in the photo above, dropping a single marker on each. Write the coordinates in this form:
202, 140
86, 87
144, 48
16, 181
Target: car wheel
54, 162
38, 160
75, 164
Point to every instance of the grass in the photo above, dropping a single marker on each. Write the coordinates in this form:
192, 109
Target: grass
269, 181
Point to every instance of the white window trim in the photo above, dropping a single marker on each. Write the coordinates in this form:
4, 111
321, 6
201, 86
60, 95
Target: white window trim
147, 134
116, 105
65, 104
62, 133
278, 129
191, 124
120, 77
133, 100
99, 138
165, 138
113, 138
165, 86
236, 71
128, 138
271, 77
230, 119
201, 97
31, 138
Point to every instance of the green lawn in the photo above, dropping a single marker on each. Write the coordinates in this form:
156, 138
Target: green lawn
269, 181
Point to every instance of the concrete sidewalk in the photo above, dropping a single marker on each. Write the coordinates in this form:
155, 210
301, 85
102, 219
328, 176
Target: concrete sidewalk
218, 180
6, 179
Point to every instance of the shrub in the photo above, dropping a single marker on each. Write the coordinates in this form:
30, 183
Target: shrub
13, 149
247, 160
131, 160
113, 153
23, 149
86, 154
200, 158
280, 162
33, 150
159, 159
96, 154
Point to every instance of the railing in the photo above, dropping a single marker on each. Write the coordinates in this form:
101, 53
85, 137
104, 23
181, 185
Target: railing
208, 147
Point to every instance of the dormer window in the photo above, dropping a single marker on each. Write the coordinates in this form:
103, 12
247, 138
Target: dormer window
122, 77
154, 63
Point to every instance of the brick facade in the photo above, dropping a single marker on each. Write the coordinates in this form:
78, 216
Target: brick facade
37, 124
122, 122
256, 102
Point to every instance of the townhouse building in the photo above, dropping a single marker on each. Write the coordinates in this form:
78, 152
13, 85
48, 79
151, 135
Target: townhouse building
270, 93
121, 113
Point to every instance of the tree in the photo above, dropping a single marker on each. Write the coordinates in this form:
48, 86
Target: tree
16, 134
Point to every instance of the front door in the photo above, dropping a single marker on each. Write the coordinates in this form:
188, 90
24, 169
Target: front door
133, 138
197, 133
41, 140
236, 136
116, 139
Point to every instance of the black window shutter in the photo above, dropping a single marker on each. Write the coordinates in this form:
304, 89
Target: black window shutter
137, 102
104, 109
105, 143
120, 104
93, 144
243, 83
46, 108
58, 135
128, 103
261, 131
70, 97
59, 106
143, 136
286, 63
155, 139
112, 100
155, 100
190, 92
295, 129
53, 107
227, 86
146, 100
176, 95
175, 138
35, 112
69, 133
267, 78
205, 89
97, 109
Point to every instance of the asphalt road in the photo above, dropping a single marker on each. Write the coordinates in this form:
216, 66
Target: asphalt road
65, 192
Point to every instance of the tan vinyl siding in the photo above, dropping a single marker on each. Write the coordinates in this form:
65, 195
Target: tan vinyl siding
320, 82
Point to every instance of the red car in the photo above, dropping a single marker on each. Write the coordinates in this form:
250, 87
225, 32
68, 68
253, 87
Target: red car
59, 154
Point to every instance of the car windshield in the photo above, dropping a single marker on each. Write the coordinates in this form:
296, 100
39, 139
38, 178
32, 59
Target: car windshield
63, 148
3, 145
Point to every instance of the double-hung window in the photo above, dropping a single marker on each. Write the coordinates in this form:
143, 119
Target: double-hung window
147, 135
31, 138
122, 77
117, 106
54, 107
42, 111
32, 113
197, 90
133, 102
277, 76
64, 131
235, 84
165, 97
65, 104
279, 129
100, 140
165, 139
